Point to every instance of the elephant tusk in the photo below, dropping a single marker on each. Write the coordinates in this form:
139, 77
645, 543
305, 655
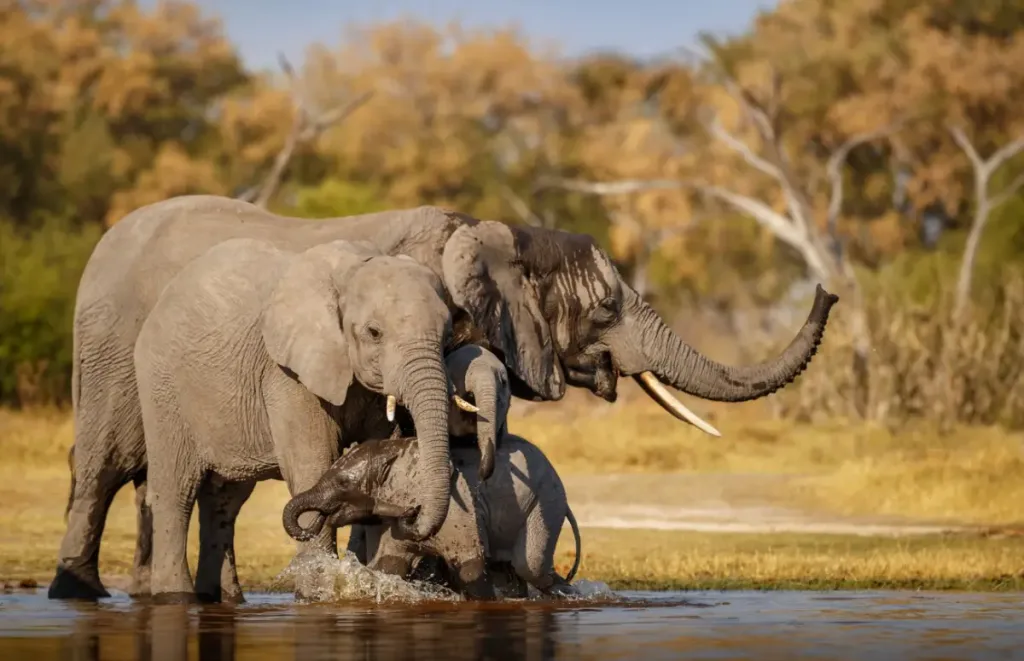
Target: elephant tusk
392, 402
464, 405
659, 393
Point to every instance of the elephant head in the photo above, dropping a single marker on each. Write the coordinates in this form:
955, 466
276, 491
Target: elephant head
557, 311
342, 313
349, 491
478, 375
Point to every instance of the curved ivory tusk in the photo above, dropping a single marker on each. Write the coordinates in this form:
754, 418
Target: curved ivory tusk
392, 402
668, 401
464, 405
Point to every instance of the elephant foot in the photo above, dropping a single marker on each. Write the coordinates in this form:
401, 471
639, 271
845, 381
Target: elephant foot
220, 596
475, 584
76, 583
140, 584
163, 598
561, 589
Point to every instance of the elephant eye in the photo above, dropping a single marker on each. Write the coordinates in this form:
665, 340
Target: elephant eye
373, 332
606, 310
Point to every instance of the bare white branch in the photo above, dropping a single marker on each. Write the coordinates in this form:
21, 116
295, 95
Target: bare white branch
521, 208
965, 144
779, 225
1008, 192
834, 170
1004, 154
622, 187
719, 132
984, 203
303, 130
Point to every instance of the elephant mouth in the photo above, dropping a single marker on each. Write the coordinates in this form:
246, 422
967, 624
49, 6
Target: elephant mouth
597, 374
600, 375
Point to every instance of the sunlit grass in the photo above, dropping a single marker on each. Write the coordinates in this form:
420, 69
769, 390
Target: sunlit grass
972, 475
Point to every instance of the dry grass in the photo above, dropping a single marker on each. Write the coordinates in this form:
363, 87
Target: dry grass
684, 560
926, 362
971, 475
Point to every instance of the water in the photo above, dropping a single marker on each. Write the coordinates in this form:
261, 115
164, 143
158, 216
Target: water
626, 625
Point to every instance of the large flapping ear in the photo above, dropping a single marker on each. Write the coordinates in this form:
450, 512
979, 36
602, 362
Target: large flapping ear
302, 320
488, 277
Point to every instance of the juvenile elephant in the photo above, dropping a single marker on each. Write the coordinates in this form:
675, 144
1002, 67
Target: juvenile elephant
515, 516
259, 363
549, 303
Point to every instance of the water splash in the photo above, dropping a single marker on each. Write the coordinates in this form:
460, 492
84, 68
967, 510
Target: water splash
328, 578
325, 578
593, 589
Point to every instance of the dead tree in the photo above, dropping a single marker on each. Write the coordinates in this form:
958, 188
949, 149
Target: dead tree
305, 128
984, 204
819, 245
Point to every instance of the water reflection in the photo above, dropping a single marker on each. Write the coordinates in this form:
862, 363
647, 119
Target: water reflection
153, 632
782, 625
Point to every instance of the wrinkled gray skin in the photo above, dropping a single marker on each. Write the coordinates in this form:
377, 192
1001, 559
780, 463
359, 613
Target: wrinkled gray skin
258, 363
516, 516
549, 303
476, 375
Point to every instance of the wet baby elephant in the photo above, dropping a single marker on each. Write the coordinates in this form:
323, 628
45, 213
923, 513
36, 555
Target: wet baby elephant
515, 516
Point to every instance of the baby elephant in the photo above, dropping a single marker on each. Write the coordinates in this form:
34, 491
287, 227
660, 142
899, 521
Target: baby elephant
515, 516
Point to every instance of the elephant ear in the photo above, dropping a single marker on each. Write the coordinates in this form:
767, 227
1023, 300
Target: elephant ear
302, 321
487, 277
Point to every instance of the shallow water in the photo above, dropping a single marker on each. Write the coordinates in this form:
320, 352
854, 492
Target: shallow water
627, 625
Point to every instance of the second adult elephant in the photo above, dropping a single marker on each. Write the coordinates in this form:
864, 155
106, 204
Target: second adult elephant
260, 363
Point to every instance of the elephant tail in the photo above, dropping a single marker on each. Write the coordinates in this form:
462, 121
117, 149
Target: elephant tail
576, 535
71, 493
76, 396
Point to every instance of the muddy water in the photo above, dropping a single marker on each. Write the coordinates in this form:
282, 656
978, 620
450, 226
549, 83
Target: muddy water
627, 625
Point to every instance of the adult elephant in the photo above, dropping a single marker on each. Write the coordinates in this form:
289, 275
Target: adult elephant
354, 329
549, 303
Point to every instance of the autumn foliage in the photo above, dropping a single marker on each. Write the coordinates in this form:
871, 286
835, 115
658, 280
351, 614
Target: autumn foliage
873, 146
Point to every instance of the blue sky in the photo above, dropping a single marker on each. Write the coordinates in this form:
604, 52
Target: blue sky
261, 28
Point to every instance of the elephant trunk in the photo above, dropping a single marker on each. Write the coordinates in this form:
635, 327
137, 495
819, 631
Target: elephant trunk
424, 390
488, 420
680, 365
312, 499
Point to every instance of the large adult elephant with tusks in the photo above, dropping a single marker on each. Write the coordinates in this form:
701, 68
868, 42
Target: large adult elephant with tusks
550, 304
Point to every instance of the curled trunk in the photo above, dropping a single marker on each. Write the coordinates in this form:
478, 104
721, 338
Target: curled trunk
682, 366
307, 501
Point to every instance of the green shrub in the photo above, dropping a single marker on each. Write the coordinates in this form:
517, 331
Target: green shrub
39, 274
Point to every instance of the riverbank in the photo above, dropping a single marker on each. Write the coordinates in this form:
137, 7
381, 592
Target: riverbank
764, 507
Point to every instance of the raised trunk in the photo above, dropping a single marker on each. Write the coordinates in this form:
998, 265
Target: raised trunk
313, 499
673, 361
424, 389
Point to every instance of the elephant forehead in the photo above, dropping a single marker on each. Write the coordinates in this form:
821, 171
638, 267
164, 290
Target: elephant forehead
588, 279
399, 272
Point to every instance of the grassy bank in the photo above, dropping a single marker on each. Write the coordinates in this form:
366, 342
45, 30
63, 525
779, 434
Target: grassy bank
970, 474
973, 476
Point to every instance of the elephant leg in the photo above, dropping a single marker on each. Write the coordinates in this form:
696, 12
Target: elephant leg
534, 553
472, 578
219, 505
396, 564
463, 545
173, 484
357, 543
306, 444
109, 449
143, 561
